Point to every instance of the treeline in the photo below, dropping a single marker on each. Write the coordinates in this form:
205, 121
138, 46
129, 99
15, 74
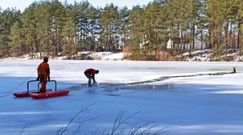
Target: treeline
143, 32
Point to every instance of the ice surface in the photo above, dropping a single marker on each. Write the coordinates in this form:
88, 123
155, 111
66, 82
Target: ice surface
208, 104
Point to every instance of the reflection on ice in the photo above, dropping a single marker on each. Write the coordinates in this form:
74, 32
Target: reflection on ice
27, 113
229, 92
206, 128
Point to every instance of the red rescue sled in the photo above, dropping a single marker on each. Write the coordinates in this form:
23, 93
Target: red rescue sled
36, 94
49, 94
27, 93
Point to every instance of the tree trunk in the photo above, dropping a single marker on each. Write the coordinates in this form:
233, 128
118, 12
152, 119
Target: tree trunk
226, 37
239, 37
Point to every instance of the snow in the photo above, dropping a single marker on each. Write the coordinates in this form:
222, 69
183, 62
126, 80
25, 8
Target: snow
205, 105
114, 56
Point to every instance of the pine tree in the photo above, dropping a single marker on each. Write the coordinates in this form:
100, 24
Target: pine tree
136, 32
17, 39
29, 21
7, 19
109, 22
68, 32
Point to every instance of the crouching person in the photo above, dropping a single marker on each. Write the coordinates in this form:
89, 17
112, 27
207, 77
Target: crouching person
90, 74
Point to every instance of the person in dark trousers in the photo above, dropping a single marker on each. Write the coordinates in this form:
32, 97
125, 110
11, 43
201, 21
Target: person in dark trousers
90, 74
43, 71
234, 70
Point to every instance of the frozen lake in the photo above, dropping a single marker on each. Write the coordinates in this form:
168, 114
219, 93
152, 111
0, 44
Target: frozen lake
202, 105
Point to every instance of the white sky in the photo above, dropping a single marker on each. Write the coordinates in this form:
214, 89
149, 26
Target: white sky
22, 4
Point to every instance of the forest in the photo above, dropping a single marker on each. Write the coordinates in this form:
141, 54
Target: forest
160, 30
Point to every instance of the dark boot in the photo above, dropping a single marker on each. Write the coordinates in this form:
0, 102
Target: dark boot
89, 83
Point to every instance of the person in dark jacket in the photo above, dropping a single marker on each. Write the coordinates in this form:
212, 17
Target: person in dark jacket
90, 74
43, 74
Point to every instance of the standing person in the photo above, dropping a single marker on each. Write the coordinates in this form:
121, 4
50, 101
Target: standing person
234, 70
90, 74
43, 74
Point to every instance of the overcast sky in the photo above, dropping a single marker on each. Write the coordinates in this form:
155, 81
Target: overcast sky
22, 4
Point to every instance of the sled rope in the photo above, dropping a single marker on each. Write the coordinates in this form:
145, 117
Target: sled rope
178, 76
163, 78
18, 85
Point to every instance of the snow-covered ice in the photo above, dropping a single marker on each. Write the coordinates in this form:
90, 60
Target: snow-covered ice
197, 105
